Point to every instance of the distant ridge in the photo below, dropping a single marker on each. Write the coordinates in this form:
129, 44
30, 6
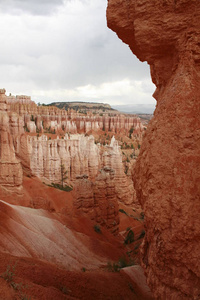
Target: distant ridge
82, 105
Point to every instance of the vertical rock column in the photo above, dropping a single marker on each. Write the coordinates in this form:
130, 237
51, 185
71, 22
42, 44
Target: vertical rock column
10, 167
166, 34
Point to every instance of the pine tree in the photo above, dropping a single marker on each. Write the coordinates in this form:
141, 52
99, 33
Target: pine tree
63, 174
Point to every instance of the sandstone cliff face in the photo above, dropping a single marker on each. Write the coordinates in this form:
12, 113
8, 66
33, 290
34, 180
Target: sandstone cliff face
112, 158
99, 199
40, 118
79, 155
166, 34
10, 167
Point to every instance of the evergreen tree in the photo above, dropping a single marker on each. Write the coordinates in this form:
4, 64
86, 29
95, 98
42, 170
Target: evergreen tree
63, 174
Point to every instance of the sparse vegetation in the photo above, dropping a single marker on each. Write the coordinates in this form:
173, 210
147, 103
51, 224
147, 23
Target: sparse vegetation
130, 132
142, 234
26, 128
25, 297
63, 174
131, 287
65, 188
129, 239
9, 274
126, 170
123, 262
142, 215
83, 269
113, 267
123, 211
97, 228
65, 290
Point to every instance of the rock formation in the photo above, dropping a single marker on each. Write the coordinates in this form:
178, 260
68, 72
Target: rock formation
79, 155
99, 199
10, 167
43, 156
51, 118
166, 34
33, 139
112, 158
26, 232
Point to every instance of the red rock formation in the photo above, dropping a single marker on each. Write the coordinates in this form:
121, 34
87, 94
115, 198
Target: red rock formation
166, 34
26, 232
99, 199
112, 158
53, 118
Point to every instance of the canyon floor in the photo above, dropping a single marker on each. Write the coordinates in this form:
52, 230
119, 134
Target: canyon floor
51, 251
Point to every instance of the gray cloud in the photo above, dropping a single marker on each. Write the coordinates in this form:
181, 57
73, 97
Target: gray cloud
65, 50
35, 7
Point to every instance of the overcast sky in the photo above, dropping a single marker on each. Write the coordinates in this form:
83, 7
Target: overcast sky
62, 50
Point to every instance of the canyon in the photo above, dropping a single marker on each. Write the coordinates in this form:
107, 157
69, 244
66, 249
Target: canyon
167, 174
42, 138
78, 231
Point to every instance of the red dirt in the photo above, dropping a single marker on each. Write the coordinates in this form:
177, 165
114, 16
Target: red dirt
43, 277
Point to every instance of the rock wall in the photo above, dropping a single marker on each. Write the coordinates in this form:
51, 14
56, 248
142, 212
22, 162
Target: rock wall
79, 155
99, 198
51, 118
43, 155
10, 167
166, 33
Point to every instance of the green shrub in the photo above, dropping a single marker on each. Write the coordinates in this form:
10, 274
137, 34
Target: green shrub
123, 262
142, 215
113, 267
97, 228
26, 128
129, 239
142, 234
25, 297
65, 290
123, 211
65, 188
131, 131
9, 274
126, 170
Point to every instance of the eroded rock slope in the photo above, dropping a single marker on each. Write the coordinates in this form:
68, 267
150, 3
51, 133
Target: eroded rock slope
166, 34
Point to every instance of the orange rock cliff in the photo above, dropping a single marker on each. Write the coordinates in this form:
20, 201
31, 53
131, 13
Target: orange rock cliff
166, 34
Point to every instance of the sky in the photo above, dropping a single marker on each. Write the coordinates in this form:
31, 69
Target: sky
62, 50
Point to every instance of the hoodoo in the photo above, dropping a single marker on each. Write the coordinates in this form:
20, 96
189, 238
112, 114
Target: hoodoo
10, 167
166, 34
